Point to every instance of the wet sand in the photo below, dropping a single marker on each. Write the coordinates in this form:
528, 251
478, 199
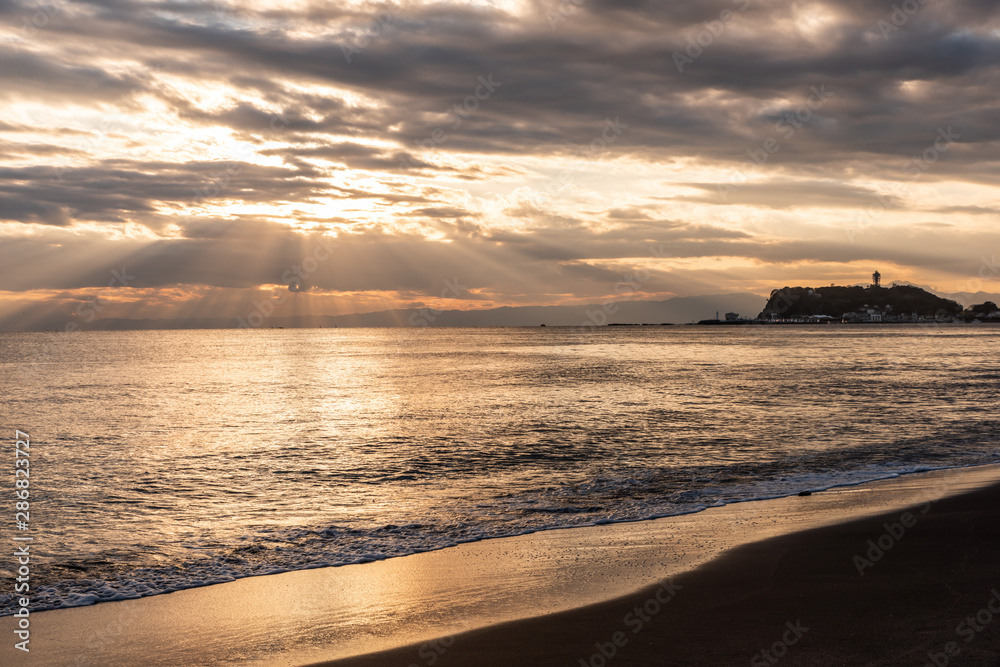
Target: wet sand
920, 587
333, 613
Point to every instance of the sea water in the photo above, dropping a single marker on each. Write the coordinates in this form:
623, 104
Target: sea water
163, 460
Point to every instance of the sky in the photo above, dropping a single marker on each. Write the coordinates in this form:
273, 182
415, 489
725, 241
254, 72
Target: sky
214, 159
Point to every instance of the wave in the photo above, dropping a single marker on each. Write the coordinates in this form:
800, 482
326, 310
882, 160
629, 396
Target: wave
641, 495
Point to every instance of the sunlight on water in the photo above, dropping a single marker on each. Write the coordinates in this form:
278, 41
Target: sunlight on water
171, 459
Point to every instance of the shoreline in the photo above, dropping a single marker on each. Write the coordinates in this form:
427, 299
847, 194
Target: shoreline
917, 586
310, 616
349, 327
869, 477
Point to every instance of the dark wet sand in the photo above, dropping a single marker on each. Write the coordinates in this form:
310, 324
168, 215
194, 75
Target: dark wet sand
799, 597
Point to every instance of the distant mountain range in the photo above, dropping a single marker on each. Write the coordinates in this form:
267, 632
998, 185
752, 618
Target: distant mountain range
678, 310
971, 298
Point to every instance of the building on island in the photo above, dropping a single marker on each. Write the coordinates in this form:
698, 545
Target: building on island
876, 280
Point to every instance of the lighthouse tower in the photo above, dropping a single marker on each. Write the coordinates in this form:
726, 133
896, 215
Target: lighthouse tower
876, 279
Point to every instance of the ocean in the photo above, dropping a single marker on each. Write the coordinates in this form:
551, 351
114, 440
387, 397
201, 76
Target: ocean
163, 460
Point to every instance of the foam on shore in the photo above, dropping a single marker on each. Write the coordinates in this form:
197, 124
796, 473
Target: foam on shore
302, 549
304, 616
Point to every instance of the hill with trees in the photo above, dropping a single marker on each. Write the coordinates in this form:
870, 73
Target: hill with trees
897, 301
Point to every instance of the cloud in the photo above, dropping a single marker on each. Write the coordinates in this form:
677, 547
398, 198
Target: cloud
791, 195
120, 190
355, 156
531, 151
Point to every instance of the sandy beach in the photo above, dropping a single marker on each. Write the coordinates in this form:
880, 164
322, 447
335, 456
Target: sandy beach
577, 586
917, 587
